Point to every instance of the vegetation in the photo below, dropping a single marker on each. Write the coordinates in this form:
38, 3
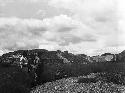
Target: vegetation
54, 71
13, 79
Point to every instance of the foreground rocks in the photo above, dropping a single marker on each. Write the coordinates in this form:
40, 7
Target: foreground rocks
73, 85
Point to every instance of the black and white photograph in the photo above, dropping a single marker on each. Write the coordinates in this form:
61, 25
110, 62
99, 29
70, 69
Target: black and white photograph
62, 46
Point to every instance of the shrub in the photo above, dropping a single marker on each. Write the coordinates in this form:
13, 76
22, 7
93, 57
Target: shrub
116, 78
14, 80
11, 87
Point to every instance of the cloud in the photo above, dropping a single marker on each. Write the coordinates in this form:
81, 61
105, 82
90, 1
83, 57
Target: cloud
93, 26
103, 19
35, 1
121, 21
99, 15
17, 33
112, 49
3, 3
66, 30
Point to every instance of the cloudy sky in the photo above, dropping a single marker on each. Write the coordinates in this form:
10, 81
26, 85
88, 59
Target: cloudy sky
80, 26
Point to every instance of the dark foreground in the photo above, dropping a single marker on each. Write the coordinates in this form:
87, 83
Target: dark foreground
75, 78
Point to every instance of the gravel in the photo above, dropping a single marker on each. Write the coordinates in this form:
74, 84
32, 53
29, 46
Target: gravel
70, 85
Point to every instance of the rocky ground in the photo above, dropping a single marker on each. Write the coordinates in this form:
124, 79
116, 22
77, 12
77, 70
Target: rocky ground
78, 85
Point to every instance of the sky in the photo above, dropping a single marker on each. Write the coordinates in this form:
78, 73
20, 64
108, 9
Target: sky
89, 27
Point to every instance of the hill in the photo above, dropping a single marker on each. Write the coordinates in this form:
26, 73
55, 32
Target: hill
45, 54
56, 65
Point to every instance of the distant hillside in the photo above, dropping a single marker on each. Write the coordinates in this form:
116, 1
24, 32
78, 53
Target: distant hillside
69, 57
121, 57
45, 54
